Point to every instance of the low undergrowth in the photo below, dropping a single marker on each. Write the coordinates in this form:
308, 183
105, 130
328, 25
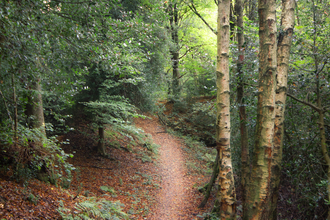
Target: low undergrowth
93, 208
191, 118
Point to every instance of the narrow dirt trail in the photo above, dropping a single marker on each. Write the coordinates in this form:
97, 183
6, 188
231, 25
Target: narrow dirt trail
177, 198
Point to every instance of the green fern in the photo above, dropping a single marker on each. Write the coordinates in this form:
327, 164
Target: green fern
94, 208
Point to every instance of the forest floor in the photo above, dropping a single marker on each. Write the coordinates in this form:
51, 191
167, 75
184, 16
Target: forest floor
151, 186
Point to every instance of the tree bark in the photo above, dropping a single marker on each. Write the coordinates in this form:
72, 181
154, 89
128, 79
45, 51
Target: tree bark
101, 145
258, 200
283, 55
225, 204
245, 160
34, 109
174, 22
15, 109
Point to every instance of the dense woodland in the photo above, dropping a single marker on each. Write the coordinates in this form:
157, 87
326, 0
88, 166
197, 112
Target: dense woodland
249, 80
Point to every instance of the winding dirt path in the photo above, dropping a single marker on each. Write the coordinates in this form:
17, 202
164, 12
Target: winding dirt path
177, 199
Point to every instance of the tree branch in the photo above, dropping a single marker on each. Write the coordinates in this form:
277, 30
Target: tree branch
189, 49
193, 9
182, 75
306, 103
325, 63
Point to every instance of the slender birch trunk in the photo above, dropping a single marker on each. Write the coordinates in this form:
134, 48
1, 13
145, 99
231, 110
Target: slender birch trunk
258, 200
245, 170
225, 204
283, 55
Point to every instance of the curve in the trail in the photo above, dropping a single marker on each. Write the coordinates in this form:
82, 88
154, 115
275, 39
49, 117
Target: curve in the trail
175, 195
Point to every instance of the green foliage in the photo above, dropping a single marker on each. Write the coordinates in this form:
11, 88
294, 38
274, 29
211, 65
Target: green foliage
115, 110
200, 70
196, 118
209, 216
32, 198
196, 150
108, 189
179, 105
79, 54
152, 147
33, 154
94, 208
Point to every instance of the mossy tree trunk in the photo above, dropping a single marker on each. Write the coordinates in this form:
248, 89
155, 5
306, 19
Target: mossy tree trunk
283, 54
258, 199
225, 204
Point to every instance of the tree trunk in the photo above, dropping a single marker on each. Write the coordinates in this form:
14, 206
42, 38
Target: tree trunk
34, 109
258, 200
101, 145
283, 54
225, 204
245, 170
15, 109
174, 22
